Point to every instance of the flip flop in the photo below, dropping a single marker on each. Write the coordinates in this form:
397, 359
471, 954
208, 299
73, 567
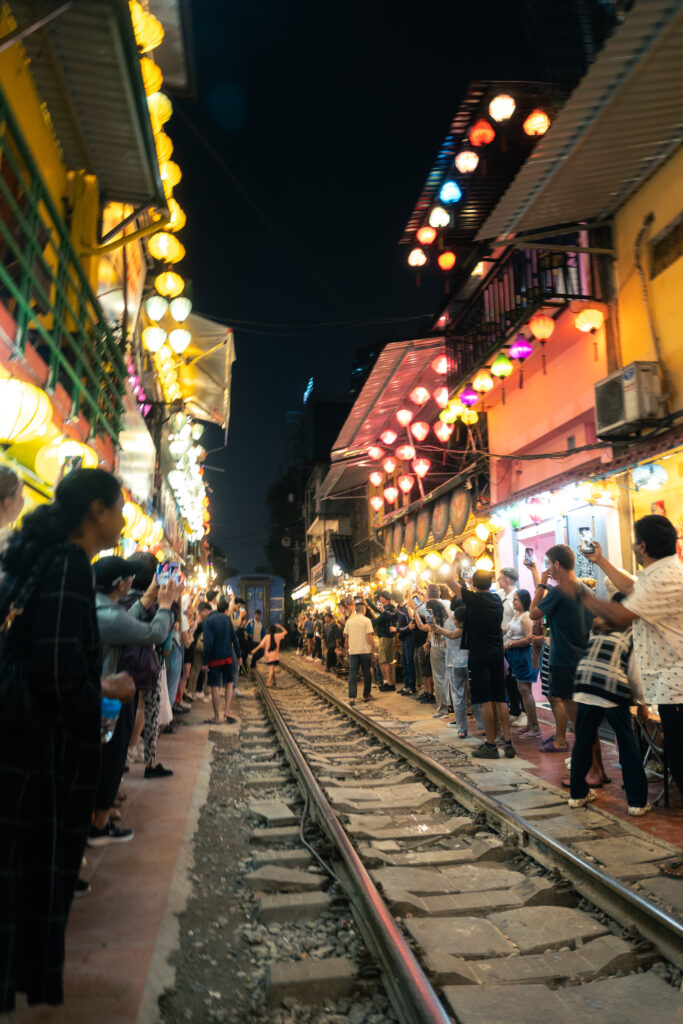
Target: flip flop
548, 742
669, 869
554, 750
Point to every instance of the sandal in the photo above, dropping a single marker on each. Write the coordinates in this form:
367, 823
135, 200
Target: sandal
672, 868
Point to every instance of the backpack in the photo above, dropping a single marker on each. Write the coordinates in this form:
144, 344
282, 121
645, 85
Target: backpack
139, 660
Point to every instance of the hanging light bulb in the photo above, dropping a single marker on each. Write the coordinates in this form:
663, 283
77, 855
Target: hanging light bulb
466, 161
481, 133
404, 416
376, 478
180, 308
537, 123
417, 257
389, 465
405, 452
469, 417
468, 396
482, 382
421, 467
156, 306
405, 482
153, 338
440, 364
179, 339
388, 436
440, 396
446, 259
501, 108
450, 192
419, 430
391, 494
425, 235
376, 502
419, 395
439, 217
443, 430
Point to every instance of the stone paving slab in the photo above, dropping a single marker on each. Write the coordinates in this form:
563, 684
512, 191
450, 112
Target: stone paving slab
669, 890
409, 797
468, 851
527, 799
294, 906
636, 872
501, 1004
536, 929
466, 878
271, 878
601, 957
573, 827
274, 812
616, 851
310, 980
631, 1000
383, 826
472, 938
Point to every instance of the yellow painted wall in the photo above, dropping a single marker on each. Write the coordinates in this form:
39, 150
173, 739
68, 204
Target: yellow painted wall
662, 195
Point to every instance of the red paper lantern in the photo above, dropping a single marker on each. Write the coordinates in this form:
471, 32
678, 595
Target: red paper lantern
440, 396
425, 235
404, 416
537, 123
375, 452
376, 502
419, 430
391, 494
376, 478
389, 465
388, 436
446, 259
405, 482
481, 133
419, 395
443, 430
421, 467
405, 452
440, 364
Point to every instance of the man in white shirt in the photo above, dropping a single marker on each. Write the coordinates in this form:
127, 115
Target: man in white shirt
361, 644
654, 604
507, 580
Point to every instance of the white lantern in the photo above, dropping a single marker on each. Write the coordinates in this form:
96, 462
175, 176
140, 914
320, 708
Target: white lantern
156, 307
179, 339
180, 308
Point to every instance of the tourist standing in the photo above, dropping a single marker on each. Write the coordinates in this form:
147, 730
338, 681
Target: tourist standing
361, 645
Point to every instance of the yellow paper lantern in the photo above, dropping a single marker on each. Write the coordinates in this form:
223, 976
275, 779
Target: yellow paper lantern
484, 563
164, 246
177, 219
25, 411
482, 531
483, 382
433, 559
589, 320
417, 566
160, 110
152, 77
149, 32
164, 147
451, 553
134, 519
169, 284
469, 417
473, 546
52, 457
170, 175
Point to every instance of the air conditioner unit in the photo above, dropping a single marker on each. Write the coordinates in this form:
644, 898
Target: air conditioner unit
628, 399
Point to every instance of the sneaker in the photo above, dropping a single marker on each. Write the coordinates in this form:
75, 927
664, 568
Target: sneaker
520, 722
406, 692
82, 888
530, 734
238, 693
638, 812
440, 714
509, 750
387, 687
590, 796
423, 698
157, 773
484, 750
109, 835
181, 709
205, 698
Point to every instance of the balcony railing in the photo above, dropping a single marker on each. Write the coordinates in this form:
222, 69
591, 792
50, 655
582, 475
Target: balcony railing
45, 290
525, 280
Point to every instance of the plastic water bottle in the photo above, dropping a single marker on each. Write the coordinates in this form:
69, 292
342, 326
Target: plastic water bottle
110, 710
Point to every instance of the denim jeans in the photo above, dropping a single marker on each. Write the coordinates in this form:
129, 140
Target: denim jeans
174, 668
671, 717
408, 662
438, 659
456, 685
361, 661
588, 719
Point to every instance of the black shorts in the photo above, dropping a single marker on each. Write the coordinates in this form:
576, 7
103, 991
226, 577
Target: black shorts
561, 681
269, 663
487, 677
219, 675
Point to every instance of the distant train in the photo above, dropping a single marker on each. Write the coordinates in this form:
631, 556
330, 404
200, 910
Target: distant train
266, 593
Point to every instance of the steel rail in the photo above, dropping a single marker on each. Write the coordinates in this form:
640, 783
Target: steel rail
410, 991
662, 929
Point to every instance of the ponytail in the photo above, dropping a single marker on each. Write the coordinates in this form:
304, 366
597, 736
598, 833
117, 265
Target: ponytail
50, 525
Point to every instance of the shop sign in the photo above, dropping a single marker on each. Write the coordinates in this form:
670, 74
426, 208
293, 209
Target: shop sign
318, 574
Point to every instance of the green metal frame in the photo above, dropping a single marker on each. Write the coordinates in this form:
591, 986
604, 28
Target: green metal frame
43, 283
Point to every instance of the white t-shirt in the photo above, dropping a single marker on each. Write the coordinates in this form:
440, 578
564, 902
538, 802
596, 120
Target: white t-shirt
257, 634
508, 609
359, 629
657, 600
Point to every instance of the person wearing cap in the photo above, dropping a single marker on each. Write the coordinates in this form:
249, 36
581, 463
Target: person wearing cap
119, 627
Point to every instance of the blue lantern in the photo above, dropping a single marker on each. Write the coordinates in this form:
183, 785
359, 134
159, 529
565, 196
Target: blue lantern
450, 192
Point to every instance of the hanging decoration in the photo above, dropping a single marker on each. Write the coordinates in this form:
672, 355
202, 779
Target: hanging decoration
483, 382
542, 327
440, 364
388, 436
375, 452
404, 416
421, 467
482, 133
450, 192
520, 350
376, 478
470, 417
501, 108
391, 494
440, 396
537, 123
376, 502
446, 259
468, 396
419, 430
443, 430
466, 161
439, 217
406, 482
389, 465
25, 411
417, 257
405, 452
419, 395
425, 235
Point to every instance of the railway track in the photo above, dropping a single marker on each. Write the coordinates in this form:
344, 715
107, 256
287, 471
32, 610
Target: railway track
472, 912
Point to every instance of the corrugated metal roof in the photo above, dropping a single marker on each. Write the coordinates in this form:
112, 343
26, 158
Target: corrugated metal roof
86, 69
623, 119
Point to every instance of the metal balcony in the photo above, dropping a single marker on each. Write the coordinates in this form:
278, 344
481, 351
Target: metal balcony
45, 290
523, 281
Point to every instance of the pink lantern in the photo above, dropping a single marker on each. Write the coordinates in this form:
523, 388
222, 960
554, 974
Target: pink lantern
440, 364
391, 495
389, 464
405, 452
375, 452
376, 478
419, 430
388, 436
443, 430
419, 395
421, 467
405, 482
468, 396
440, 396
376, 502
535, 506
404, 416
521, 348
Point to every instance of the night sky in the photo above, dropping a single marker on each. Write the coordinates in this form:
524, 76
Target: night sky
324, 121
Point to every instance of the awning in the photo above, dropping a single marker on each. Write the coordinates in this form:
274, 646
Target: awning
621, 122
205, 370
86, 69
342, 549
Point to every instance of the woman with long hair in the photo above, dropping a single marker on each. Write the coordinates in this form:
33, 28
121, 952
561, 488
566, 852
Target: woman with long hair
518, 642
50, 690
271, 648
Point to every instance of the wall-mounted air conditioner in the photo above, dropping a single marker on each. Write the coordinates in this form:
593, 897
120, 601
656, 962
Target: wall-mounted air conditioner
628, 399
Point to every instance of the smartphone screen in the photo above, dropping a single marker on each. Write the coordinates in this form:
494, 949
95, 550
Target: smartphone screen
585, 540
528, 556
168, 572
429, 616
